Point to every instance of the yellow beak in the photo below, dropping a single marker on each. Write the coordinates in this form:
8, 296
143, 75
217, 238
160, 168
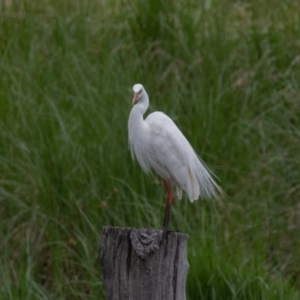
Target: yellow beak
135, 97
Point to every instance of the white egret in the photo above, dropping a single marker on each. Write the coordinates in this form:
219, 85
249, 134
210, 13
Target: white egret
158, 144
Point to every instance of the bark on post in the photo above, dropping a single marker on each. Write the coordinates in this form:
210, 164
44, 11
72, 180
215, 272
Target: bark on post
137, 264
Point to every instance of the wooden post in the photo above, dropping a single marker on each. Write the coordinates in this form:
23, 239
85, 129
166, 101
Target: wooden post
137, 264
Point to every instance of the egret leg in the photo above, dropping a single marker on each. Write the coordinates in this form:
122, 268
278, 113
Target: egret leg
169, 201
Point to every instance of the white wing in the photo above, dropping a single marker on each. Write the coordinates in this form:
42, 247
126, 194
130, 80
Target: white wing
169, 153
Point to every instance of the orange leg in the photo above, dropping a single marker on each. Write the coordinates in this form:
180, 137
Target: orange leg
169, 201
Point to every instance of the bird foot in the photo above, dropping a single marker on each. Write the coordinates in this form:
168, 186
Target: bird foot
164, 235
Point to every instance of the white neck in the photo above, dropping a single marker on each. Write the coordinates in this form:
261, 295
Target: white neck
136, 122
138, 110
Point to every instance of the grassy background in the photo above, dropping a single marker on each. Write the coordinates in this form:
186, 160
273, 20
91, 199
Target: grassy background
226, 71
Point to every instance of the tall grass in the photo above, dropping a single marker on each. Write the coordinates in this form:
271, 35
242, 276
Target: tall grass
227, 73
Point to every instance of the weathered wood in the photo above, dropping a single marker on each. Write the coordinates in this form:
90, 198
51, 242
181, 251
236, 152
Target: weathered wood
138, 264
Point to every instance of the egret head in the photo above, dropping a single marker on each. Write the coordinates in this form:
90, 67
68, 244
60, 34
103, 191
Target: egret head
137, 93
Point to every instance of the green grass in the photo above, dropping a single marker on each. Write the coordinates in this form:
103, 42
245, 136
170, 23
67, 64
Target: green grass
228, 74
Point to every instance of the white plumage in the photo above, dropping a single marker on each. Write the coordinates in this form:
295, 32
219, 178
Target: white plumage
158, 144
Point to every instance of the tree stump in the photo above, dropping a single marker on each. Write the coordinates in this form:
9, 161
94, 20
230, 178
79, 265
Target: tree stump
138, 264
